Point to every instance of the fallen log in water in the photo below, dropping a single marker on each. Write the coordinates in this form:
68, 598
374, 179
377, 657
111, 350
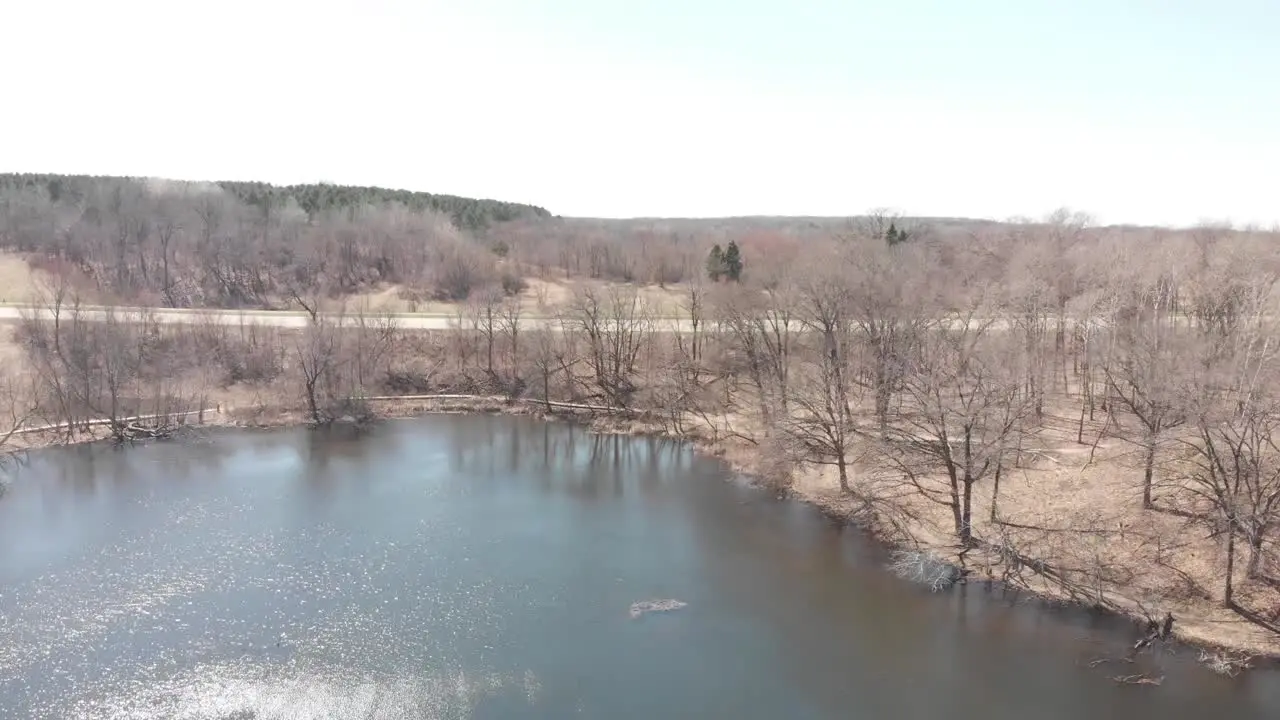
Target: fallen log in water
1137, 680
54, 427
133, 432
652, 606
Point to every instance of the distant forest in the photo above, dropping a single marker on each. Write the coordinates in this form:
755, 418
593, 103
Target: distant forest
313, 198
248, 244
241, 244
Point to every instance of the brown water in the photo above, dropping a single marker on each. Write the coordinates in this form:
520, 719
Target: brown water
485, 567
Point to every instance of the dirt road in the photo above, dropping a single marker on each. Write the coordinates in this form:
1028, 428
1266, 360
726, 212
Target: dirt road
276, 318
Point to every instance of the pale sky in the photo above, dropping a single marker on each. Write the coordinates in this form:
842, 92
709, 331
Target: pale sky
1140, 111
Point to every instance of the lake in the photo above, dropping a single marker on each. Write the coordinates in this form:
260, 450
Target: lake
485, 567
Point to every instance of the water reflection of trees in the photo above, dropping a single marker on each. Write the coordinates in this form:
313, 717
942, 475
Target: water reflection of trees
341, 455
84, 470
562, 457
185, 458
49, 487
550, 456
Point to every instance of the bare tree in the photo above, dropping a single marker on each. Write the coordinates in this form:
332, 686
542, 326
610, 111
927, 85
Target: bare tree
690, 344
459, 271
616, 324
373, 337
1032, 305
1144, 378
120, 346
168, 226
888, 307
18, 398
102, 370
822, 420
1234, 458
509, 314
53, 338
318, 353
963, 412
485, 312
762, 327
546, 360
1237, 474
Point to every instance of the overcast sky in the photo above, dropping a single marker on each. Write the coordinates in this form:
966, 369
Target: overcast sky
1135, 111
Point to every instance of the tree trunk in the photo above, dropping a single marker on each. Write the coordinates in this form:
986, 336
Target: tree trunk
1093, 401
312, 405
1148, 473
995, 494
489, 350
966, 514
844, 471
1084, 407
883, 395
1255, 555
164, 282
1228, 593
956, 512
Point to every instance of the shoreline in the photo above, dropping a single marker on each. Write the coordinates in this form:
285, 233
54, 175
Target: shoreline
742, 458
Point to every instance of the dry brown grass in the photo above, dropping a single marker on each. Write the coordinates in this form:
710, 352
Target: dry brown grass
25, 280
18, 280
20, 283
539, 298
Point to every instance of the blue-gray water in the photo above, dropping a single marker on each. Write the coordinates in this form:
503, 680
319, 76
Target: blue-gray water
483, 567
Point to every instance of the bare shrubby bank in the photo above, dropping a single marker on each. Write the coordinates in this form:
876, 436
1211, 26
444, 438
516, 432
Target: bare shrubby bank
1087, 411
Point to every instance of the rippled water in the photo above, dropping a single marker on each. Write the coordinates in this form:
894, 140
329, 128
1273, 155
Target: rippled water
488, 567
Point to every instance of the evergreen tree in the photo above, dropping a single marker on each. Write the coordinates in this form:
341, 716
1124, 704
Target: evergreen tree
715, 264
895, 236
733, 262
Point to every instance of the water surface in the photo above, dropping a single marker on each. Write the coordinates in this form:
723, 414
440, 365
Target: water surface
484, 567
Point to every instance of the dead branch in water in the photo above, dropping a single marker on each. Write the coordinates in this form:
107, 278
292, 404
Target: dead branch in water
1099, 661
1137, 680
1227, 664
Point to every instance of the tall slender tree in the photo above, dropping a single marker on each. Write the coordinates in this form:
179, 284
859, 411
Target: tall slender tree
733, 262
716, 267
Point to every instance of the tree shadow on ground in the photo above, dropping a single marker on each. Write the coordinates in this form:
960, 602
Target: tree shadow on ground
1256, 618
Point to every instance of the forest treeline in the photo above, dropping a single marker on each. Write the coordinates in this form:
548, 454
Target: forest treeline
313, 198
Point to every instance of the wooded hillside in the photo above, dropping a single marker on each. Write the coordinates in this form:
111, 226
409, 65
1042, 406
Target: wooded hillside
313, 198
233, 244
